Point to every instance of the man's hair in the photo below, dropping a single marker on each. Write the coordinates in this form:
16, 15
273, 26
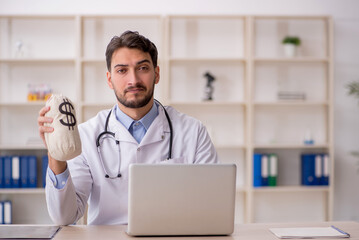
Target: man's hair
130, 40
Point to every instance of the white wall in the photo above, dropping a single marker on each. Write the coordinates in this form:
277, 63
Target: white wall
346, 22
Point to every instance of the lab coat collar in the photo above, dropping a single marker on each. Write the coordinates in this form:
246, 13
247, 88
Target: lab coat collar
156, 132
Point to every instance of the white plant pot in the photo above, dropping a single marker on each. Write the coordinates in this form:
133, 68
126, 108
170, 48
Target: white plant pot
290, 50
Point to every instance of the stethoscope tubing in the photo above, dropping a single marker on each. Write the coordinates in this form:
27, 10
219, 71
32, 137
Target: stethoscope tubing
106, 131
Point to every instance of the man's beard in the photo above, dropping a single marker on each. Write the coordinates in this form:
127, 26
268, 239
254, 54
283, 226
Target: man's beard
137, 103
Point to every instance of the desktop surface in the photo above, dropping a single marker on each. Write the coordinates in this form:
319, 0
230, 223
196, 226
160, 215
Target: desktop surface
255, 231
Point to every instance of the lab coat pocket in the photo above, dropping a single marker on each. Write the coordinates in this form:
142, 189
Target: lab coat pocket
174, 160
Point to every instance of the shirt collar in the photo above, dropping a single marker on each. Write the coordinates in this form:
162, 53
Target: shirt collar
146, 121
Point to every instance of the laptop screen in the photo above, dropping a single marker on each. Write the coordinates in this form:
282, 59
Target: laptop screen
181, 199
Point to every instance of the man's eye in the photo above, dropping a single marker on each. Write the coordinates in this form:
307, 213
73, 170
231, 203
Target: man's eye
143, 68
121, 70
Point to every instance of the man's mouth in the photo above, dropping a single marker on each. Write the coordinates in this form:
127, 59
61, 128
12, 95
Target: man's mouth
135, 89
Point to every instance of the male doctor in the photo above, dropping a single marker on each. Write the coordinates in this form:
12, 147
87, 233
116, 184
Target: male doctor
140, 134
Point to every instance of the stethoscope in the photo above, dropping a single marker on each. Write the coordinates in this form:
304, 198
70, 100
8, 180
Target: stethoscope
107, 133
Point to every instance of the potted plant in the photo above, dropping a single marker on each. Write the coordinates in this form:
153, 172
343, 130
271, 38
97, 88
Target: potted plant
290, 44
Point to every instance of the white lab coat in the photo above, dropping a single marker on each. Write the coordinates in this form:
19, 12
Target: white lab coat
107, 198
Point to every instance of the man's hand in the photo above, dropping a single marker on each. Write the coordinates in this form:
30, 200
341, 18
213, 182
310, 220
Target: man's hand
41, 120
56, 166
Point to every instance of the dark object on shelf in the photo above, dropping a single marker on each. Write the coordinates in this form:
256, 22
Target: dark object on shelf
209, 87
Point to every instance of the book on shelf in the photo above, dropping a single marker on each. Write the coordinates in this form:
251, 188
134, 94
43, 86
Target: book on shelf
315, 169
291, 95
5, 212
45, 163
18, 171
265, 170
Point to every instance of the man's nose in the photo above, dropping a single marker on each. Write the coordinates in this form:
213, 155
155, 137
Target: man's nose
133, 77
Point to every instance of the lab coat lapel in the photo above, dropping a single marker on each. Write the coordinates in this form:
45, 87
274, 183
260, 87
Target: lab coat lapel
158, 130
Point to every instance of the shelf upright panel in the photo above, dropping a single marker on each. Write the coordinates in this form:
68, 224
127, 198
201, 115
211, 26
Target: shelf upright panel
249, 131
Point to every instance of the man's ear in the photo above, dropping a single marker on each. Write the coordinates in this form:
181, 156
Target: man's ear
109, 82
157, 74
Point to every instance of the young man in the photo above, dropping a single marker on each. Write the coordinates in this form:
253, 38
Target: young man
136, 130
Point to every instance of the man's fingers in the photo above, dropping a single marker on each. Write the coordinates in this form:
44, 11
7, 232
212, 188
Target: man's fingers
43, 129
42, 119
44, 110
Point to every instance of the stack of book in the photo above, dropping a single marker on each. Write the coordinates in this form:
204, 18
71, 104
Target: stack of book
315, 169
289, 95
265, 168
20, 171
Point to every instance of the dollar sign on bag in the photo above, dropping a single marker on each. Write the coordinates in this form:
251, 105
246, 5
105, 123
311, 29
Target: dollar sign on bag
70, 117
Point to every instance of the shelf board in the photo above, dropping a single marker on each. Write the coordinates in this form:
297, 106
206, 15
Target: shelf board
207, 103
291, 103
291, 17
289, 146
22, 104
292, 60
290, 189
23, 147
94, 60
37, 60
22, 190
229, 146
209, 59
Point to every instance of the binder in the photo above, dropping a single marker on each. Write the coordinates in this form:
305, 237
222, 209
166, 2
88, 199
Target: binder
15, 183
265, 168
45, 163
7, 172
24, 171
32, 171
318, 169
308, 169
1, 212
7, 212
273, 170
2, 171
257, 163
325, 174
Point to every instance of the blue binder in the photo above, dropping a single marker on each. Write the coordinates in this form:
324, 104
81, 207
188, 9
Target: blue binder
7, 172
15, 183
45, 162
24, 172
32, 171
1, 212
308, 169
257, 170
2, 171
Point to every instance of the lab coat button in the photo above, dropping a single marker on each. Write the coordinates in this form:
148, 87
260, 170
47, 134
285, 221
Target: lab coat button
138, 149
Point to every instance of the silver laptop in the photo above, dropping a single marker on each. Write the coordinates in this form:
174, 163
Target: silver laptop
181, 199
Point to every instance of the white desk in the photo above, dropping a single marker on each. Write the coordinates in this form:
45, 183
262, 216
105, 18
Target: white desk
256, 231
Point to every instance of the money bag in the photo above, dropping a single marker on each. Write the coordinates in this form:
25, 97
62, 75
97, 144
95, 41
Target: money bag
64, 142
